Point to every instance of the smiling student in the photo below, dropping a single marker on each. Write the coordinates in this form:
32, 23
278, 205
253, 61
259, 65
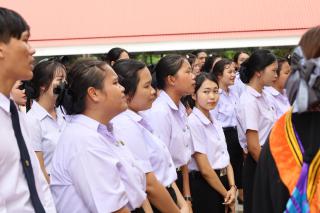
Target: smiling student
225, 112
148, 150
91, 171
211, 175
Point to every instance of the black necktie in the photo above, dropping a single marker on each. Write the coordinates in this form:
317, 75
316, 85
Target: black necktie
25, 160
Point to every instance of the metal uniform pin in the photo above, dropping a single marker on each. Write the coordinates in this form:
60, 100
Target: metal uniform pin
27, 163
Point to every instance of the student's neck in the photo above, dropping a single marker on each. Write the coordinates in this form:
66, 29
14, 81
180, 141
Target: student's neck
224, 87
173, 95
49, 105
278, 88
99, 116
256, 85
6, 85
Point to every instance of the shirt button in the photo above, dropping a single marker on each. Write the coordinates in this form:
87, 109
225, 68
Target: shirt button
170, 165
184, 130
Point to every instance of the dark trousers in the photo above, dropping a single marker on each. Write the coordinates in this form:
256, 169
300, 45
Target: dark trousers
236, 154
173, 196
248, 182
204, 198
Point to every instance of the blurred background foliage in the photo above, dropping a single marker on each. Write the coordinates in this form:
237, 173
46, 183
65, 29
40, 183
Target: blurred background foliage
153, 57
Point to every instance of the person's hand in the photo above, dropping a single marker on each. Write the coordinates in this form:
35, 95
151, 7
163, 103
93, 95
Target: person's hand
185, 209
230, 197
190, 206
231, 208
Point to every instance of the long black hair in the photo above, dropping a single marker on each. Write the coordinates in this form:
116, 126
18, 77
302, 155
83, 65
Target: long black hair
82, 75
257, 62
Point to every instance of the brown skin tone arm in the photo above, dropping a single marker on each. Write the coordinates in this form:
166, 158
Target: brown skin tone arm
147, 207
41, 161
123, 210
159, 196
209, 174
254, 147
184, 208
186, 183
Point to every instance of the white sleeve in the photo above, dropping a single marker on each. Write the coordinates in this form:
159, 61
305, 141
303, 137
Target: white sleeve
250, 116
132, 136
198, 138
35, 133
44, 188
96, 177
2, 206
160, 122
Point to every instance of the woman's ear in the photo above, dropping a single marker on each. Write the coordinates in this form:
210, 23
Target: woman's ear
171, 80
128, 98
194, 96
93, 94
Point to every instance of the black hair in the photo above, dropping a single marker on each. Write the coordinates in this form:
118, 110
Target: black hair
127, 70
237, 55
208, 65
83, 74
153, 74
258, 61
43, 74
12, 25
281, 61
191, 58
168, 65
113, 55
220, 66
196, 52
199, 81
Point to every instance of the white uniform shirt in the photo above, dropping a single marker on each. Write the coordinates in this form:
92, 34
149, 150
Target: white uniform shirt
146, 147
45, 131
169, 123
92, 172
239, 86
225, 111
14, 191
208, 138
254, 112
279, 100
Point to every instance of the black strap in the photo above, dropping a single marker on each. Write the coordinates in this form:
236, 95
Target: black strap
25, 160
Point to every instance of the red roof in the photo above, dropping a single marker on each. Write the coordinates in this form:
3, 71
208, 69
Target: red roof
95, 22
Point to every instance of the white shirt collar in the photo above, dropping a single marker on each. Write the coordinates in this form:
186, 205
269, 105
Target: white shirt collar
165, 97
131, 114
253, 92
201, 116
40, 112
4, 103
272, 91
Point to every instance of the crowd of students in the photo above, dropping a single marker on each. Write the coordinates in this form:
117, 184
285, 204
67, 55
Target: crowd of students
190, 135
